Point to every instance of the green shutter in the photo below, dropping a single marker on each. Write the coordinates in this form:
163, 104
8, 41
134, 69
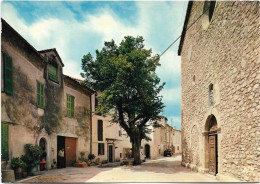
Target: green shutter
8, 74
72, 106
53, 73
5, 141
40, 95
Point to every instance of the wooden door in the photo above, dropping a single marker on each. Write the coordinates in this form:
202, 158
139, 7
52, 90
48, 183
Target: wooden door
110, 152
70, 150
212, 154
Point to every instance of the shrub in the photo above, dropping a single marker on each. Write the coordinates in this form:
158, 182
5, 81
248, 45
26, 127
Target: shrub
104, 162
125, 162
91, 156
33, 154
16, 162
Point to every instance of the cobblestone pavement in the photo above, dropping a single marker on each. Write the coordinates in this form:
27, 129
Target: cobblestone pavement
165, 169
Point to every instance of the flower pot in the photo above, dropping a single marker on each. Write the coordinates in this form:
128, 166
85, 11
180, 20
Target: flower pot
25, 174
18, 173
34, 170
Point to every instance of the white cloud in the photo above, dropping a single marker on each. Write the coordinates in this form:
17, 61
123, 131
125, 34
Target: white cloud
172, 95
175, 121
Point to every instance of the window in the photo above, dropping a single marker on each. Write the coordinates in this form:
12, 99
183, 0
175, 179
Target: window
120, 133
208, 10
5, 141
101, 149
100, 130
120, 155
177, 147
8, 74
53, 73
40, 95
70, 105
211, 95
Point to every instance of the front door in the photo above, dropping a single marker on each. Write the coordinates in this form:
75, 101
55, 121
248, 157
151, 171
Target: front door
110, 152
70, 147
212, 155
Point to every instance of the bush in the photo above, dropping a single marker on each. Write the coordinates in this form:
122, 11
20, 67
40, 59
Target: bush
16, 162
125, 162
33, 154
91, 156
104, 162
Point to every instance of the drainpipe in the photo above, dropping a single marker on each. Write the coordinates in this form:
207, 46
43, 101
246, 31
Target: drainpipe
90, 123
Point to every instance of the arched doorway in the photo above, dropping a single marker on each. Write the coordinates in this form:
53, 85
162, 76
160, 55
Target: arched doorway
43, 158
211, 154
147, 151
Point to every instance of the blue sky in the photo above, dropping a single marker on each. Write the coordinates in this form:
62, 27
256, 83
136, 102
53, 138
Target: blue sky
76, 28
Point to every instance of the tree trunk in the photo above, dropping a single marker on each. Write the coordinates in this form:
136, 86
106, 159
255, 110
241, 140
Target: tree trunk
136, 144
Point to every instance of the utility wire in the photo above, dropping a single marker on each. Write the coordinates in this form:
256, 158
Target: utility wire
186, 31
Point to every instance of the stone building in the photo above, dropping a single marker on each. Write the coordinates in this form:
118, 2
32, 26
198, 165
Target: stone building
176, 139
109, 141
220, 70
40, 105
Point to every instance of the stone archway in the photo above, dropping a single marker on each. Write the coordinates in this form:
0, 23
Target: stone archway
44, 139
211, 145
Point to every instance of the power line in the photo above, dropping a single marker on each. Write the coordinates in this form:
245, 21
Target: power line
186, 31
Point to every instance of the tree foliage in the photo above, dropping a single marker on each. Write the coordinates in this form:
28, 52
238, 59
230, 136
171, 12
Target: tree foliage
125, 76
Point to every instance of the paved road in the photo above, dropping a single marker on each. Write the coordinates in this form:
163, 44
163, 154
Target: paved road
165, 169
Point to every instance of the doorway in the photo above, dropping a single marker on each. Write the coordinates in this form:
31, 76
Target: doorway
212, 145
61, 145
147, 151
110, 153
43, 158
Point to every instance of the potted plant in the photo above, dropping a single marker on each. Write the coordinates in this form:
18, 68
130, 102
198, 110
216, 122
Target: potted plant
18, 165
32, 157
90, 158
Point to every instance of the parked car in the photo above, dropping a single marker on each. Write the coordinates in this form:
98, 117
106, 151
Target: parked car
167, 152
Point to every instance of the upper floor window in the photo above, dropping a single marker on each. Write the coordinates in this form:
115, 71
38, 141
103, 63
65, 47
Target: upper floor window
208, 10
70, 105
53, 73
7, 80
211, 95
100, 130
40, 95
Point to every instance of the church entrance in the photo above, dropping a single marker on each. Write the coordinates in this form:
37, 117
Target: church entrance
212, 145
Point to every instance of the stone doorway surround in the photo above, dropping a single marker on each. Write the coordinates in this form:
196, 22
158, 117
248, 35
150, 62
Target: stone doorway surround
43, 135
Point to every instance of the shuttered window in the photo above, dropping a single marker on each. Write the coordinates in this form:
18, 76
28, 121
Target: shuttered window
53, 73
101, 148
4, 141
40, 95
100, 130
8, 74
70, 105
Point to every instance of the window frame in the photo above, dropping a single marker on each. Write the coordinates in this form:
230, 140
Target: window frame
70, 105
51, 76
40, 95
101, 148
100, 128
4, 143
8, 74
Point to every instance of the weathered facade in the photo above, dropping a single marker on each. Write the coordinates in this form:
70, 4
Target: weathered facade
220, 70
40, 105
176, 139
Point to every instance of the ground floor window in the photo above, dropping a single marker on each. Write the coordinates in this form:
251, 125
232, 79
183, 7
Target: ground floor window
5, 141
101, 148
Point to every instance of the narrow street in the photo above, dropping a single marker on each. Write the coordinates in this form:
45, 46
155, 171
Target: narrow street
164, 169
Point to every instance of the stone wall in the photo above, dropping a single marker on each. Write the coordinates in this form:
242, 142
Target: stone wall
226, 54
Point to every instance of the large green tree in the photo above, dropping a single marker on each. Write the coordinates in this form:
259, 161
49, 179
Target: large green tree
125, 76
